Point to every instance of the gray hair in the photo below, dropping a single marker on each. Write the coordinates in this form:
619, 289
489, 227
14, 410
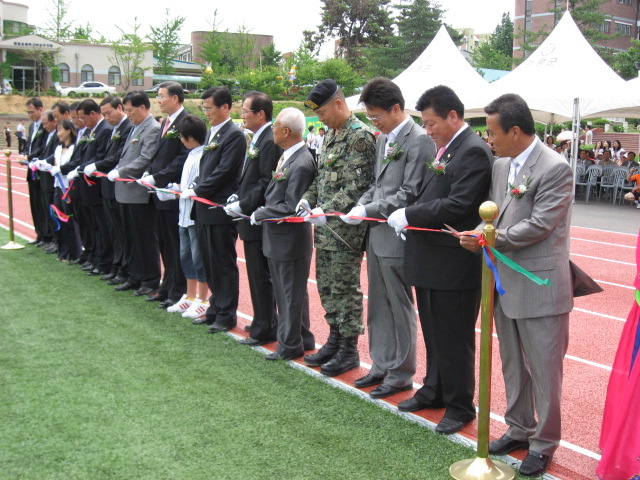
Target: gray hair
293, 119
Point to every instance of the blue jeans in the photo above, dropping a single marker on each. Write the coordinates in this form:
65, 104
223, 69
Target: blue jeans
190, 257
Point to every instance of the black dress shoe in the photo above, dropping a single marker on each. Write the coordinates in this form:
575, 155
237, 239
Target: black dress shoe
124, 287
75, 261
108, 276
165, 303
534, 464
156, 297
252, 342
448, 426
413, 405
216, 327
87, 266
385, 390
276, 356
368, 381
94, 273
505, 444
116, 281
247, 328
144, 291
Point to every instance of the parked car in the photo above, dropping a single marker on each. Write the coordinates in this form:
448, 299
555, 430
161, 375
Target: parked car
156, 87
92, 88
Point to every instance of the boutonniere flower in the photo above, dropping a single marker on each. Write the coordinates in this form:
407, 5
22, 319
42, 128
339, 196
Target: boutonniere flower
280, 176
172, 133
437, 166
89, 139
253, 153
135, 140
518, 191
38, 133
211, 146
393, 152
116, 135
331, 159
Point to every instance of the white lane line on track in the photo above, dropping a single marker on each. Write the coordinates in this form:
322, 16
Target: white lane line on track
615, 284
604, 315
24, 224
608, 231
15, 192
603, 259
603, 243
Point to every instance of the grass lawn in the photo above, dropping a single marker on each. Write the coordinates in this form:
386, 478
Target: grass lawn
96, 384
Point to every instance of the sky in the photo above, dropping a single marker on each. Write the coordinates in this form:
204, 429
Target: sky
284, 19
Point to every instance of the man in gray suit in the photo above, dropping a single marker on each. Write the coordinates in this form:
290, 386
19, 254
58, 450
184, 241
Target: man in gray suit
288, 246
401, 153
143, 254
533, 188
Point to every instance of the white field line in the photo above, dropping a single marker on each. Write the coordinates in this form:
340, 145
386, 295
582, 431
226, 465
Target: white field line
602, 230
603, 243
15, 192
603, 259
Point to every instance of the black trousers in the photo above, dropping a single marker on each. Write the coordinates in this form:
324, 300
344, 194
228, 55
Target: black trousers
143, 254
448, 321
68, 236
115, 224
265, 318
37, 210
218, 249
174, 285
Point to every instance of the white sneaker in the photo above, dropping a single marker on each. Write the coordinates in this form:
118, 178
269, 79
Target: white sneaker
638, 205
196, 310
180, 306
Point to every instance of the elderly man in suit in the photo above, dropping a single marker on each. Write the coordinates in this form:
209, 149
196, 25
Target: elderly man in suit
446, 277
35, 144
260, 161
401, 153
143, 256
533, 188
288, 246
220, 169
165, 168
51, 141
113, 112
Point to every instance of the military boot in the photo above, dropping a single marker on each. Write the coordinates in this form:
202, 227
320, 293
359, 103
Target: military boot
346, 359
327, 351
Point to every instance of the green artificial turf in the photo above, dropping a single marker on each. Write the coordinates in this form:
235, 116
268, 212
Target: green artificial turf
97, 384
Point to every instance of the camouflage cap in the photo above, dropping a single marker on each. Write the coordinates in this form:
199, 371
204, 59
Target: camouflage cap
321, 94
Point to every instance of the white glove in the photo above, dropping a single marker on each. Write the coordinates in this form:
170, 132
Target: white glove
165, 197
357, 211
188, 193
232, 198
73, 174
43, 165
54, 171
253, 219
398, 221
113, 174
90, 169
147, 179
316, 220
173, 186
301, 206
233, 209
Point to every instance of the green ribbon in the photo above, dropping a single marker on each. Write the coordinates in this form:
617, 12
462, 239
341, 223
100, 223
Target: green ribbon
638, 297
513, 265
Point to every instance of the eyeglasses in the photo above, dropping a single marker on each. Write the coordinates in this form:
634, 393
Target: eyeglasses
245, 112
208, 109
376, 118
274, 126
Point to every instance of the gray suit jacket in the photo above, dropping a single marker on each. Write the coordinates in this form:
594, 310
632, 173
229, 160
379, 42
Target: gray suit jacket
396, 184
136, 157
534, 232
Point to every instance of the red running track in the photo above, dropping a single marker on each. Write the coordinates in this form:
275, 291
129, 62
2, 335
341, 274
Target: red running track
595, 327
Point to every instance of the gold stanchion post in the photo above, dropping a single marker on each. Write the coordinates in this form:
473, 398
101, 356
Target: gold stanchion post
12, 245
482, 467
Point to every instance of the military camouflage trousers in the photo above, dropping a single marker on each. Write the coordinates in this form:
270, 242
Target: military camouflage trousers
338, 277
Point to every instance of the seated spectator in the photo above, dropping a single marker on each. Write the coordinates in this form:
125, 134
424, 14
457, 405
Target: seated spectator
635, 177
550, 141
606, 159
617, 152
598, 150
630, 160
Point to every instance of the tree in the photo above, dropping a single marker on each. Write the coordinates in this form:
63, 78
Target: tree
497, 52
238, 50
212, 48
270, 57
624, 63
502, 38
166, 42
341, 72
128, 54
82, 32
356, 24
58, 27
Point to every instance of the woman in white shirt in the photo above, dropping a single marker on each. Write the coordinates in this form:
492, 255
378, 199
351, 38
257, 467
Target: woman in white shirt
618, 154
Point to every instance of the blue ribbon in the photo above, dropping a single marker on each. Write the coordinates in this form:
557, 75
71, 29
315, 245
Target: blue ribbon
54, 218
492, 267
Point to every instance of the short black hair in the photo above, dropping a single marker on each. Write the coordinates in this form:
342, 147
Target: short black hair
311, 128
192, 126
74, 106
442, 100
62, 106
137, 98
220, 95
631, 151
88, 106
113, 101
174, 88
261, 101
513, 111
49, 115
382, 93
35, 102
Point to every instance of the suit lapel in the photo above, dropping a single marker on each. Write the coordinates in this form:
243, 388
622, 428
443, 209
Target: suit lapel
401, 139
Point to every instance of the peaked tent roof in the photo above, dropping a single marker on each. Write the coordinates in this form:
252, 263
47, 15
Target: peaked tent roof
441, 63
553, 75
624, 102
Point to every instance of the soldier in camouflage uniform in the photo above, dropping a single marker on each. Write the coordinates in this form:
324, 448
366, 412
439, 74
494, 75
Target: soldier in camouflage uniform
345, 172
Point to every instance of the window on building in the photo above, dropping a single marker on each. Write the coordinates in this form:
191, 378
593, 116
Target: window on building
625, 2
604, 28
64, 73
114, 76
623, 29
528, 9
86, 73
138, 77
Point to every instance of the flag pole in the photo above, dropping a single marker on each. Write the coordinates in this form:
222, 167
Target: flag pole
12, 245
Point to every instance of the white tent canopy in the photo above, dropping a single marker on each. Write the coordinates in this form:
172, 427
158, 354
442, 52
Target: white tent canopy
441, 63
621, 102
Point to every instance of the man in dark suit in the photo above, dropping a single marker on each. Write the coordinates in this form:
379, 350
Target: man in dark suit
98, 241
35, 144
46, 181
165, 168
260, 161
532, 322
113, 112
143, 255
446, 277
220, 169
288, 246
398, 177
